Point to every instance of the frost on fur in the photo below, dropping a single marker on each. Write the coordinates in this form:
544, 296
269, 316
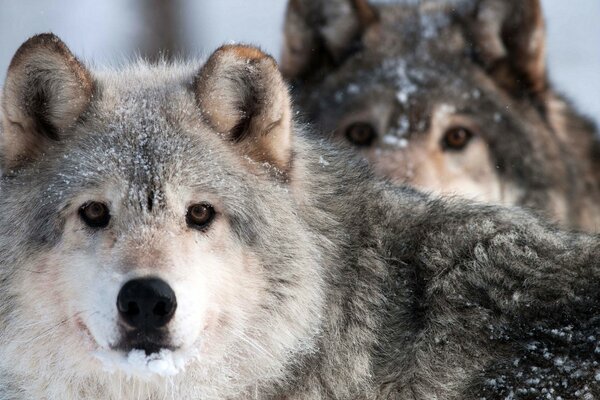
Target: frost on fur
138, 364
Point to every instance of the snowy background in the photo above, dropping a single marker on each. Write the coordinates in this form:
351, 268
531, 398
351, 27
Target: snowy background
110, 31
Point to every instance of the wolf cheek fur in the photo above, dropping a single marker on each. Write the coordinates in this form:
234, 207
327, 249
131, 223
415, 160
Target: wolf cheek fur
314, 280
455, 96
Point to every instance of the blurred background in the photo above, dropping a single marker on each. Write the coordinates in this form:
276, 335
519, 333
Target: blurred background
110, 31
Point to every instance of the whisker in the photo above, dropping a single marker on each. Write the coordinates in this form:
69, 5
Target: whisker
52, 329
256, 346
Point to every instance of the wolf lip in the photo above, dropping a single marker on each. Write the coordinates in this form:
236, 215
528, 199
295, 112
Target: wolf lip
147, 347
149, 343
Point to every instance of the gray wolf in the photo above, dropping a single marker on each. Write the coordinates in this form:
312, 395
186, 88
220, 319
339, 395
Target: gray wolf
450, 96
169, 231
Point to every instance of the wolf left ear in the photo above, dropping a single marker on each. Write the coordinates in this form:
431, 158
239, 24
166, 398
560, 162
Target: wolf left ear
45, 92
242, 95
510, 42
321, 33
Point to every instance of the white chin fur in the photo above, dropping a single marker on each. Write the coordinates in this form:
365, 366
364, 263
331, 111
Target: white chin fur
136, 364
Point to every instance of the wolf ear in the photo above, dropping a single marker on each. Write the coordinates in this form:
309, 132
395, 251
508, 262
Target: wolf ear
242, 95
511, 44
46, 90
321, 33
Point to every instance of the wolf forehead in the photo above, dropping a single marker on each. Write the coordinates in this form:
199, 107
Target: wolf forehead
141, 119
143, 128
144, 106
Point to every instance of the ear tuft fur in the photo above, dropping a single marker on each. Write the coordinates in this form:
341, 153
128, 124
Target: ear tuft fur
46, 90
511, 43
321, 33
242, 95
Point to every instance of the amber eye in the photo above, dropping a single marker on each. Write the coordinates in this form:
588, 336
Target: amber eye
361, 134
456, 138
199, 216
95, 214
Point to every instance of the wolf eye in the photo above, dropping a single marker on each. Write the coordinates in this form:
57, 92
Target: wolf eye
361, 134
456, 138
199, 216
95, 214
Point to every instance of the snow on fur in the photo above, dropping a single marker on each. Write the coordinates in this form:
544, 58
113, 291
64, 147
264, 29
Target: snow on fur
137, 363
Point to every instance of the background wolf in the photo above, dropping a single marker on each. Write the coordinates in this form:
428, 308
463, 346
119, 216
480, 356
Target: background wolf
451, 96
169, 231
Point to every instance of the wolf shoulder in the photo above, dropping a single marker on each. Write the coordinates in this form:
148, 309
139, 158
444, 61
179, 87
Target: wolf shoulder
443, 236
480, 288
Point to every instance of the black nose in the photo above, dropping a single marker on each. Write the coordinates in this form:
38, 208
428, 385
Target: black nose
147, 303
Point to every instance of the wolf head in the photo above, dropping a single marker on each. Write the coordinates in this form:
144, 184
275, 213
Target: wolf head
148, 227
451, 96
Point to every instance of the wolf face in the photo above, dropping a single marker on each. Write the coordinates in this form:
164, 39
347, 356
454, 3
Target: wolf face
449, 96
139, 238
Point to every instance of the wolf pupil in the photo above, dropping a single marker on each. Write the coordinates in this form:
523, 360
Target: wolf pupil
95, 214
361, 134
456, 138
200, 215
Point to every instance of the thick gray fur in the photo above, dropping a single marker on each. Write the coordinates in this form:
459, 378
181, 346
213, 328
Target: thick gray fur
420, 298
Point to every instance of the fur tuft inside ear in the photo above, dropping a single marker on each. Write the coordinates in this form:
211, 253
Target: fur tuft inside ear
321, 33
45, 92
511, 43
242, 95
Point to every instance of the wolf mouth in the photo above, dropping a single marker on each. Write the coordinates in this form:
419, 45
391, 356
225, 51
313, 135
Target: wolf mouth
144, 355
137, 363
149, 343
148, 348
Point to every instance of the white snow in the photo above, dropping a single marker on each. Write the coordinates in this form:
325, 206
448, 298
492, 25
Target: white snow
405, 86
402, 96
395, 141
137, 364
353, 88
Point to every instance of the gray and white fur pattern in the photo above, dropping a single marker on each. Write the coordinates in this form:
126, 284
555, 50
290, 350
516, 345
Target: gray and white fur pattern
315, 280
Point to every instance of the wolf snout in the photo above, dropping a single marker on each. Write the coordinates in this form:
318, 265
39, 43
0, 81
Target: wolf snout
146, 304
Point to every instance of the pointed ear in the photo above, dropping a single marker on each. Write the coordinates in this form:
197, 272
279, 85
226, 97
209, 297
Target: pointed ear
45, 92
321, 33
511, 43
242, 95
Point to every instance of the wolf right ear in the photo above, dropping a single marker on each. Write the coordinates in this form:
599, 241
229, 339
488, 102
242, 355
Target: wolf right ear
320, 33
510, 42
46, 90
243, 97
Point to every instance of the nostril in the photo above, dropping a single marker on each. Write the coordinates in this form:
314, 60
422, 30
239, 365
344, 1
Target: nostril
131, 309
161, 309
147, 303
